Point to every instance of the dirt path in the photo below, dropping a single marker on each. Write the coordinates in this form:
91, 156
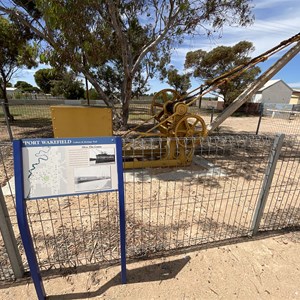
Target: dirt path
266, 268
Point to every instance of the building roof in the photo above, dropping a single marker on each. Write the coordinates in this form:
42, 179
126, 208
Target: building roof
270, 83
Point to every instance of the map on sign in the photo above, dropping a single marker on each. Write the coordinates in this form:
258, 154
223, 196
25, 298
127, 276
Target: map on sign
56, 167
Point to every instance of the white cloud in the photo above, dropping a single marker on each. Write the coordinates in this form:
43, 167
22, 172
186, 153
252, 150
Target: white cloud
271, 3
294, 84
275, 26
276, 21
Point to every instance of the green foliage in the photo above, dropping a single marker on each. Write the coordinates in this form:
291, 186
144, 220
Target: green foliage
24, 86
44, 78
181, 83
15, 48
210, 65
59, 82
119, 45
30, 6
68, 87
16, 52
93, 94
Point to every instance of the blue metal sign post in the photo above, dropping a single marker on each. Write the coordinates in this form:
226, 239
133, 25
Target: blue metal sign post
23, 222
34, 162
121, 210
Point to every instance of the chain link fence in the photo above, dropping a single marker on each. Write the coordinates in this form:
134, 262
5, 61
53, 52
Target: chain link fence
168, 207
32, 118
285, 121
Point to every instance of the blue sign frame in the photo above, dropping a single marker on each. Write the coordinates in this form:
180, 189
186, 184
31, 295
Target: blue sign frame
18, 146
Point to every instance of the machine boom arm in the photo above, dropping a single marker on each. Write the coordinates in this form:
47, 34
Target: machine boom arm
254, 87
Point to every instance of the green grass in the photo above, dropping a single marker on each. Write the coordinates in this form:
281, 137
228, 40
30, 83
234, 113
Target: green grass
30, 111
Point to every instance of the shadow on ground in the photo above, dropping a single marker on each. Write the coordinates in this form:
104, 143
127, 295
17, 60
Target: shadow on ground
157, 272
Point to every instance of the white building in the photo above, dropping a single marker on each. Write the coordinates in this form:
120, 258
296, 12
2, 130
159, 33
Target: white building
274, 91
11, 92
274, 94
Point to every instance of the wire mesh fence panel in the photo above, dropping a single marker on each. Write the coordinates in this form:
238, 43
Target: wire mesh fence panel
8, 182
280, 121
7, 186
75, 230
27, 121
6, 272
178, 192
283, 205
181, 204
139, 112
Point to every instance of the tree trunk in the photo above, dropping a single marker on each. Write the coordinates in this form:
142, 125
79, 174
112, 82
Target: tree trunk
126, 97
125, 115
6, 106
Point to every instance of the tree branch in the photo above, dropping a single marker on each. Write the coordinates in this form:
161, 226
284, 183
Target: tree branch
170, 22
126, 55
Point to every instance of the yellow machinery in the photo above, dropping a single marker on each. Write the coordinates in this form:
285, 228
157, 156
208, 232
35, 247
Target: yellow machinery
182, 130
170, 111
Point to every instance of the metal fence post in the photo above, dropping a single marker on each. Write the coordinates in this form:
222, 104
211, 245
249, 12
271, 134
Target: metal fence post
9, 239
261, 112
7, 122
263, 196
212, 114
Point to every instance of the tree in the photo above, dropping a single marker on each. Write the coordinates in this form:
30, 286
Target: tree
181, 83
68, 86
131, 38
24, 86
210, 65
59, 82
16, 51
93, 94
45, 77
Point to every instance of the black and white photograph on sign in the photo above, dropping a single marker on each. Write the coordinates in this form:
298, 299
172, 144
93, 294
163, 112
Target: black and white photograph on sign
92, 178
102, 155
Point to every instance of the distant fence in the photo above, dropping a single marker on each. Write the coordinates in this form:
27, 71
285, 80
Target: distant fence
280, 121
32, 118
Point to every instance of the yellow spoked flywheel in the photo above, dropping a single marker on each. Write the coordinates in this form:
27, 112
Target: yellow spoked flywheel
160, 100
189, 126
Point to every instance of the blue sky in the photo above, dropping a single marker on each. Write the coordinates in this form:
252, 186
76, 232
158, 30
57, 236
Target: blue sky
275, 21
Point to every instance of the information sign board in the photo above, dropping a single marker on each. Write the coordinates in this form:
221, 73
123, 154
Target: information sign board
59, 167
48, 168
